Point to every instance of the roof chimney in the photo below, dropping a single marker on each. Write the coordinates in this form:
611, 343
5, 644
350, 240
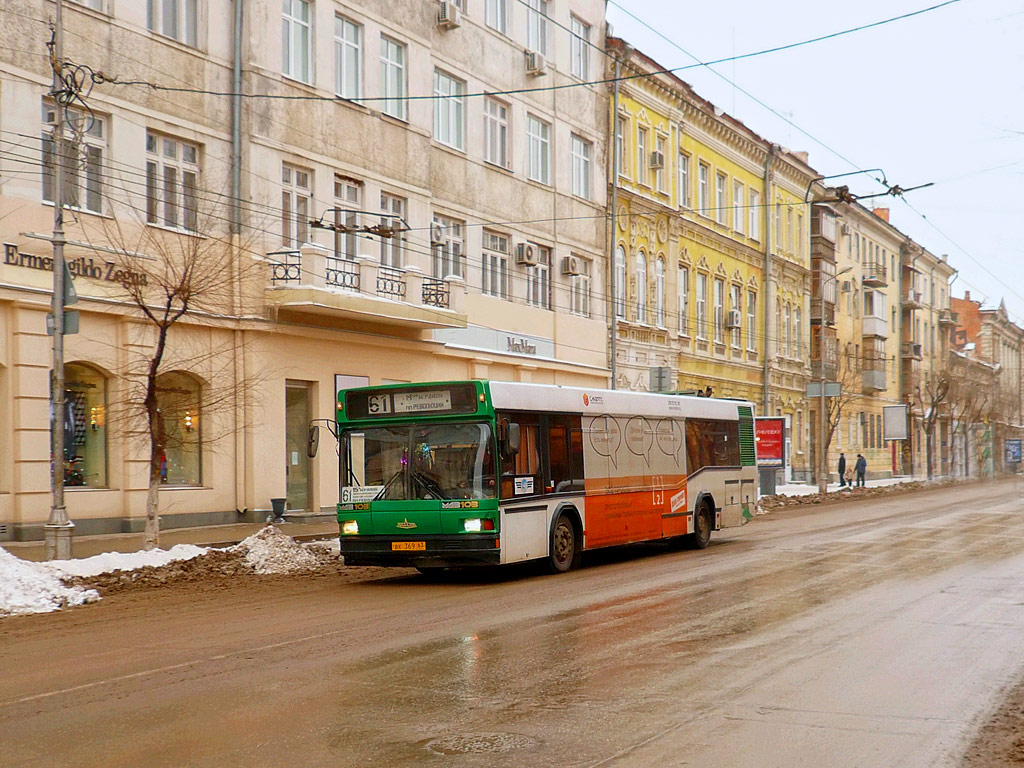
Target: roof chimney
967, 295
882, 213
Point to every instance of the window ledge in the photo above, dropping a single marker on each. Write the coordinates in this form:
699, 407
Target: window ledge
497, 167
176, 230
173, 42
438, 144
170, 487
77, 210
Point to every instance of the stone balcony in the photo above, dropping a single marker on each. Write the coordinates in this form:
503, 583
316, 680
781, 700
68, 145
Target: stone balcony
313, 282
875, 326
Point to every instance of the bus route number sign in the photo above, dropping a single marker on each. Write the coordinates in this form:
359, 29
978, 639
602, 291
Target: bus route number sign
379, 405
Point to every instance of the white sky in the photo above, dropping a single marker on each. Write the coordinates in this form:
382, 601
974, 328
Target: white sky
934, 98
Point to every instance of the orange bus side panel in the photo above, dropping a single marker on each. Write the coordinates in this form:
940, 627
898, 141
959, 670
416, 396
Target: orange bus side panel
628, 516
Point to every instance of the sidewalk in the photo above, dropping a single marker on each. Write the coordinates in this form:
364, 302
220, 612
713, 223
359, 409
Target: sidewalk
206, 536
804, 489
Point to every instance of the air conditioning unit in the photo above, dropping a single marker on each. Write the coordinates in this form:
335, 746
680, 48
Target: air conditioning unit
657, 160
571, 266
436, 233
732, 319
845, 229
448, 15
845, 286
526, 255
536, 64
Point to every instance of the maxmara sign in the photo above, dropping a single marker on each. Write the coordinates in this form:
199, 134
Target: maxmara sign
493, 340
108, 271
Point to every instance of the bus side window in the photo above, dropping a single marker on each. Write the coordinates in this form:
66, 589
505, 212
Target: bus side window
565, 454
526, 463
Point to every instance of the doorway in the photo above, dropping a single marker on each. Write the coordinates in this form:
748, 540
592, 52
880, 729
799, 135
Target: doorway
297, 395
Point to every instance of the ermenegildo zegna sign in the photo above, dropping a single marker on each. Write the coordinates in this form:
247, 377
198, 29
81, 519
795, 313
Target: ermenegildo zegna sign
107, 271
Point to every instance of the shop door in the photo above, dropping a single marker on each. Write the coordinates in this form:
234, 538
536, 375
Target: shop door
297, 463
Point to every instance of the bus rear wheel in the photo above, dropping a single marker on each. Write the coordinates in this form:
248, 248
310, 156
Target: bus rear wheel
565, 548
702, 525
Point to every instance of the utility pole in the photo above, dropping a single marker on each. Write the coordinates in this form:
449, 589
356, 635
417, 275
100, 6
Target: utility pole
58, 528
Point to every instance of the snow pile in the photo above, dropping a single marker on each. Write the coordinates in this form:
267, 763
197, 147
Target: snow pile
33, 588
270, 551
109, 562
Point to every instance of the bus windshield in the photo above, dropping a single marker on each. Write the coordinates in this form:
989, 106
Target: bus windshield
421, 461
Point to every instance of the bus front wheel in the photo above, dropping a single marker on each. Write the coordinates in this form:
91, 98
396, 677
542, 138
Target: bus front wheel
702, 525
565, 548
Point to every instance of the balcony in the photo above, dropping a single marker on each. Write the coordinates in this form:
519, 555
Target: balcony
875, 276
875, 326
873, 381
948, 317
312, 282
910, 351
912, 299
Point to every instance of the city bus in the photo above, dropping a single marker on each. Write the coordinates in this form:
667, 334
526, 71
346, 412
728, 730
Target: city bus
464, 473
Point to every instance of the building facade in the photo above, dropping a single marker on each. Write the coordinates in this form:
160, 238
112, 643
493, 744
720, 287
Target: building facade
415, 202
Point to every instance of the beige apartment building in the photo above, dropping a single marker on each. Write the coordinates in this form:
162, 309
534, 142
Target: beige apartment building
402, 217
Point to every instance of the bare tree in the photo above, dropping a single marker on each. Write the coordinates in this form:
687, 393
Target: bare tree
850, 392
929, 398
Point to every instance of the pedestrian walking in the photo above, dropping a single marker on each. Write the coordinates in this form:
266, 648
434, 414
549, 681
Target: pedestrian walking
842, 469
861, 468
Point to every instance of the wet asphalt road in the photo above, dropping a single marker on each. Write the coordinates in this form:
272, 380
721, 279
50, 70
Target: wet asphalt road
874, 633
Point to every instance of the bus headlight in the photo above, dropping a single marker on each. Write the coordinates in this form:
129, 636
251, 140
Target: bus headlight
472, 525
350, 527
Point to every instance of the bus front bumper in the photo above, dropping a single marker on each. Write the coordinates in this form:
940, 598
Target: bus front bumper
430, 551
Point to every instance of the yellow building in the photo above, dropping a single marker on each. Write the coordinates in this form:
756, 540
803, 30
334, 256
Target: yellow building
695, 233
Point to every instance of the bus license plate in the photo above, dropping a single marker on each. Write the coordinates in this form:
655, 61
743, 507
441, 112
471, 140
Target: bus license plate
408, 546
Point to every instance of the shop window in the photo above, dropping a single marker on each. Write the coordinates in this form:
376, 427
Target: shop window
179, 400
85, 427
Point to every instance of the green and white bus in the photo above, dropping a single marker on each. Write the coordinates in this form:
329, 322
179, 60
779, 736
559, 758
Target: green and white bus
469, 473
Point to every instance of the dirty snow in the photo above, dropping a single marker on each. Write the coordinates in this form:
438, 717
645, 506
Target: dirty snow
270, 551
27, 587
124, 561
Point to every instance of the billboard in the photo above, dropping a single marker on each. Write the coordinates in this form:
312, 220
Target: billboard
894, 422
770, 441
1013, 447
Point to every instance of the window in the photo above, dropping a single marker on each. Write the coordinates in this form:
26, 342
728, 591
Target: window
448, 252
496, 15
296, 184
348, 58
778, 224
449, 110
640, 266
348, 194
621, 126
296, 43
173, 18
619, 294
754, 198
800, 430
800, 234
641, 155
797, 334
85, 426
392, 217
737, 307
538, 279
537, 26
94, 4
178, 399
172, 181
579, 48
712, 443
720, 201
496, 132
539, 150
85, 141
751, 321
581, 153
703, 200
659, 292
392, 77
737, 206
789, 332
702, 303
789, 230
719, 311
579, 289
684, 181
495, 264
778, 326
659, 173
683, 300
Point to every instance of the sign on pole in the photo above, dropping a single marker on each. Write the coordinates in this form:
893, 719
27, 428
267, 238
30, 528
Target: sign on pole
770, 441
832, 389
894, 422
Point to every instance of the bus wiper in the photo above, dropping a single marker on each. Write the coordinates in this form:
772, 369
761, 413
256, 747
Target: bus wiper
427, 484
388, 484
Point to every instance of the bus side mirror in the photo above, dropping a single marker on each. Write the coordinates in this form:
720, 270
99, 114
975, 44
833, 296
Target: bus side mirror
512, 442
313, 442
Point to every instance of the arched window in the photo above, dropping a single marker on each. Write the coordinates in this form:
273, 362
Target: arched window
620, 282
798, 336
789, 332
641, 287
659, 291
85, 426
178, 397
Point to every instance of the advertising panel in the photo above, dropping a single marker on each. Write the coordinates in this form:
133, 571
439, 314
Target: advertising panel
770, 440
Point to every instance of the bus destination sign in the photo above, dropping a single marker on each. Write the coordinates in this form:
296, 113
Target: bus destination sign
412, 400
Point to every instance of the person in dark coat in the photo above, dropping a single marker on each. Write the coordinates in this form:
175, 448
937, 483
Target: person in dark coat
861, 468
842, 469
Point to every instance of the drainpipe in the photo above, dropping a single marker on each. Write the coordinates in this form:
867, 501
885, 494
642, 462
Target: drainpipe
236, 122
768, 163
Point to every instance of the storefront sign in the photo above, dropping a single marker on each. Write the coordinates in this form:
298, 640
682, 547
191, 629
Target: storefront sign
770, 440
520, 346
108, 271
493, 340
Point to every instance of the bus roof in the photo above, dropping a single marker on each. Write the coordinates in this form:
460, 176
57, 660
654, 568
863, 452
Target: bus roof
551, 397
